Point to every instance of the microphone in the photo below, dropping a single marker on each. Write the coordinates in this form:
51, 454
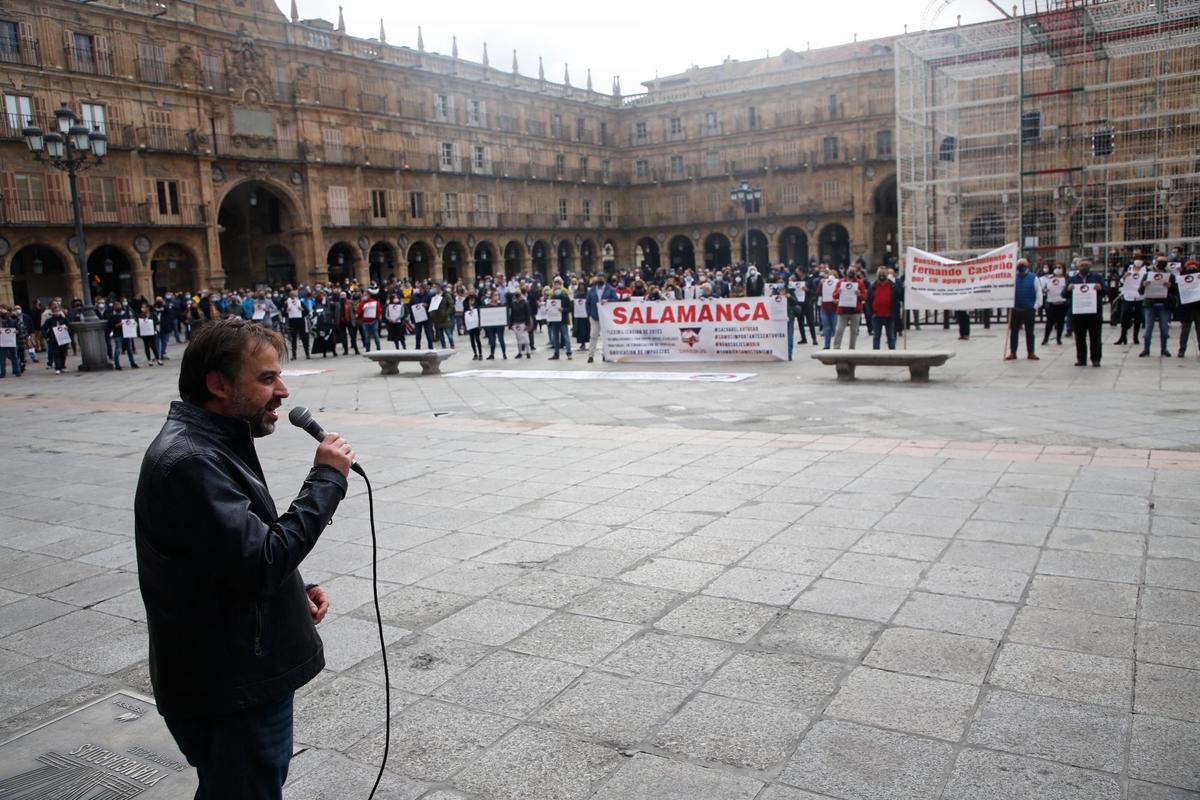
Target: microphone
301, 417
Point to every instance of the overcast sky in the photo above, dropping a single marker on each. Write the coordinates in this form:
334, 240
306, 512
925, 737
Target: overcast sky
636, 39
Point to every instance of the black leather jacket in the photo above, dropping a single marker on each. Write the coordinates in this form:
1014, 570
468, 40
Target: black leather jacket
228, 615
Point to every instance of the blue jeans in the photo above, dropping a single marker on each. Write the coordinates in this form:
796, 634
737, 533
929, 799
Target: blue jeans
791, 337
427, 328
828, 325
371, 334
1150, 313
559, 339
9, 354
880, 324
161, 340
122, 345
243, 754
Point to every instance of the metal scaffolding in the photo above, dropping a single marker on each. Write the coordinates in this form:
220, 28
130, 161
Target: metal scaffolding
1073, 128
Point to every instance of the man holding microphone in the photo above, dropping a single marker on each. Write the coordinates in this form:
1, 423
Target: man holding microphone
231, 622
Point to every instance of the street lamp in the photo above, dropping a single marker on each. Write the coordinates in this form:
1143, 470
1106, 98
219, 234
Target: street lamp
73, 148
751, 201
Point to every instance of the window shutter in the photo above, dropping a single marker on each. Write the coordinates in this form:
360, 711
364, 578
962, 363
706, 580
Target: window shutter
56, 202
69, 51
152, 200
8, 186
104, 65
28, 44
125, 209
41, 115
85, 197
187, 211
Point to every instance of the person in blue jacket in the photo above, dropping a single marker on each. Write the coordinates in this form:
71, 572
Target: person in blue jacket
600, 292
1027, 299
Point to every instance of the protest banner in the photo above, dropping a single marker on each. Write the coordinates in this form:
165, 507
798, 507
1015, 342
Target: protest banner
934, 283
732, 329
1189, 288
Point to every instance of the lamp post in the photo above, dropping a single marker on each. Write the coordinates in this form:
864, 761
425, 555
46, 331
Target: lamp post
751, 201
73, 149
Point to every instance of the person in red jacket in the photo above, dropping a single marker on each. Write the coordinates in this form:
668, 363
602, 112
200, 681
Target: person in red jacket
884, 299
370, 311
849, 296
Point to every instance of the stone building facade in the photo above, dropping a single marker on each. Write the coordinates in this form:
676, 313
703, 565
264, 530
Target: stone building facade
247, 148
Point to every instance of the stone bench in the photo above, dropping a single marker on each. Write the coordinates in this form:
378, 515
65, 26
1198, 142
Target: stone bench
917, 361
389, 360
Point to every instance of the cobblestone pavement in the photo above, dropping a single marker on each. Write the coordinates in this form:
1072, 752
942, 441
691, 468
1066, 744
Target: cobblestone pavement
781, 589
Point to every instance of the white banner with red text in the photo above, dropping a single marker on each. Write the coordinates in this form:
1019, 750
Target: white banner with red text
731, 329
934, 283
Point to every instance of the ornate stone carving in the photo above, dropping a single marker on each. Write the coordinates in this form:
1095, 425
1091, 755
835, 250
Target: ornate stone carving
187, 67
248, 65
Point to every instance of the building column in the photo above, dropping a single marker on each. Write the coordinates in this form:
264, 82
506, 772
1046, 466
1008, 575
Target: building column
468, 274
435, 268
143, 283
401, 266
6, 285
527, 262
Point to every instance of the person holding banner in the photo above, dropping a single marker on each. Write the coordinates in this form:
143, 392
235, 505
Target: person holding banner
580, 326
1188, 312
10, 328
148, 333
58, 337
123, 329
1131, 299
601, 292
1157, 286
393, 317
470, 307
558, 316
1027, 299
493, 316
829, 283
1087, 290
1054, 287
849, 295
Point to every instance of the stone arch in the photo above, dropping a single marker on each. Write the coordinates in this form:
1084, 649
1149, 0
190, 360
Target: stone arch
760, 250
646, 255
587, 256
793, 247
833, 244
681, 252
485, 258
381, 261
514, 257
1146, 224
454, 260
420, 260
174, 267
340, 261
254, 214
609, 255
110, 268
39, 271
717, 251
565, 256
540, 255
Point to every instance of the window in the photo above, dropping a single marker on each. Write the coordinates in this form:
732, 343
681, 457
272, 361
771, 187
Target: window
644, 209
606, 170
103, 199
580, 129
1031, 126
753, 118
831, 192
450, 204
83, 52
93, 116
483, 203
603, 133
835, 110
712, 160
639, 131
167, 195
479, 157
339, 205
608, 211
676, 165
642, 168
556, 128
30, 192
679, 206
676, 126
447, 155
883, 143
213, 68
18, 111
563, 207
441, 106
830, 148
379, 204
716, 205
790, 195
710, 121
152, 63
475, 112
281, 83
583, 168
10, 42
416, 204
587, 210
332, 139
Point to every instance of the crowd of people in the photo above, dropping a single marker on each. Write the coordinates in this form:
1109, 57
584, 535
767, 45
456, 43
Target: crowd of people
824, 304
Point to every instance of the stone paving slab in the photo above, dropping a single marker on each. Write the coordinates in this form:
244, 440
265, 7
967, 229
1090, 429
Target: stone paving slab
786, 590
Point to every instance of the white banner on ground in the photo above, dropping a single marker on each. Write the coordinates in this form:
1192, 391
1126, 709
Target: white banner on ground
1189, 288
934, 283
598, 375
732, 329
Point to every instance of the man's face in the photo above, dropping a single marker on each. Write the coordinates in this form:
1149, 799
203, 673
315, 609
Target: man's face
259, 389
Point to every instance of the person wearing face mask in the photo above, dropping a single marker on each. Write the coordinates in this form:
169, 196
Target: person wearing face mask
884, 298
1027, 298
849, 295
828, 288
1087, 312
1131, 299
1156, 290
1054, 288
1188, 312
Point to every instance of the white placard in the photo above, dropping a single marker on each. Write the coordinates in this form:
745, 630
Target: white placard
8, 337
1176, 267
145, 326
471, 319
1084, 299
554, 311
394, 312
1189, 288
295, 309
370, 311
848, 297
435, 303
1158, 284
541, 312
62, 334
691, 292
1131, 287
828, 287
581, 308
731, 329
129, 329
493, 316
458, 305
1054, 289
260, 312
419, 314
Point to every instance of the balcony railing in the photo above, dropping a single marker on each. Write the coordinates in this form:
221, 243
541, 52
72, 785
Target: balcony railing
24, 211
372, 103
216, 82
257, 147
153, 70
20, 50
166, 140
331, 96
384, 159
89, 61
188, 216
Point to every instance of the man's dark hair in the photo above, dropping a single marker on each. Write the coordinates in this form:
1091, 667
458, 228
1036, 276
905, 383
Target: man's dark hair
219, 346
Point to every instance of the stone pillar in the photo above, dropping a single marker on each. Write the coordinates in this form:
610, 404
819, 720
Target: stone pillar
6, 285
468, 273
435, 269
527, 262
143, 280
401, 266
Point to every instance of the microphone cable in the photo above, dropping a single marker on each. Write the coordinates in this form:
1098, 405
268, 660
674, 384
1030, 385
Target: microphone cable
387, 681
